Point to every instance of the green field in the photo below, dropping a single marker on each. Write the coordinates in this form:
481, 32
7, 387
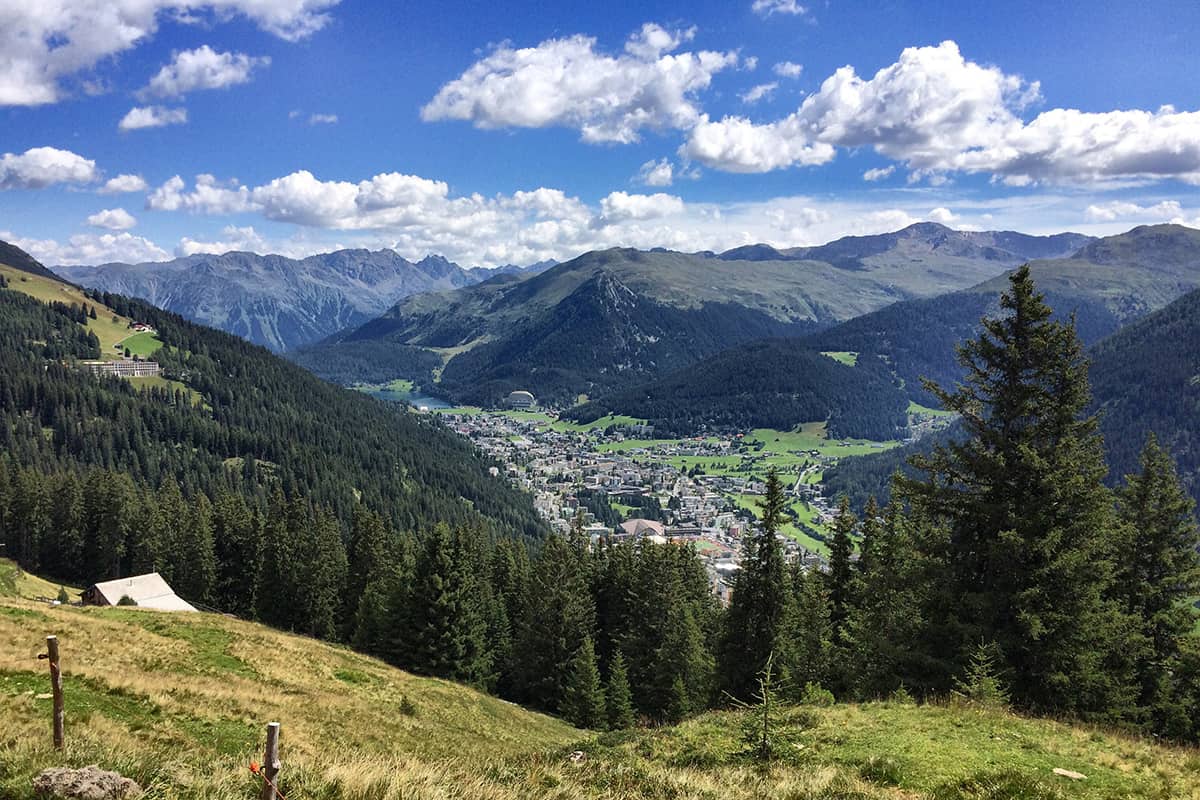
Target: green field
753, 503
842, 357
916, 409
179, 702
110, 328
142, 345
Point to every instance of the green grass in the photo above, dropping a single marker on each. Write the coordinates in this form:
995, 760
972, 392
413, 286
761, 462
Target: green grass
916, 409
142, 345
110, 328
842, 357
159, 382
179, 702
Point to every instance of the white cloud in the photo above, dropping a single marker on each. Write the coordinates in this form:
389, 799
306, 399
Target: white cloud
750, 63
759, 92
322, 119
207, 197
46, 42
124, 183
89, 248
765, 8
656, 173
938, 113
1162, 211
202, 68
114, 219
943, 215
39, 167
879, 173
244, 239
735, 144
620, 206
568, 83
788, 69
140, 117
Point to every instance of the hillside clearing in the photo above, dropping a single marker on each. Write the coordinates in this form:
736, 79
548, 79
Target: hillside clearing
179, 703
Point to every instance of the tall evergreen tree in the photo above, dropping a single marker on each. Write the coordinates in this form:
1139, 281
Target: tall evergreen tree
1030, 527
757, 608
618, 696
806, 653
1158, 573
583, 699
841, 576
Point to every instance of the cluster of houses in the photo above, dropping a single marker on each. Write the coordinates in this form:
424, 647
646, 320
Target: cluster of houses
124, 368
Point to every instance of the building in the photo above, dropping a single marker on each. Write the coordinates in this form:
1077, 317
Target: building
125, 368
147, 591
520, 400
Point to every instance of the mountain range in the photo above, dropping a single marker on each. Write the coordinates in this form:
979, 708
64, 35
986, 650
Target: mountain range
612, 319
279, 302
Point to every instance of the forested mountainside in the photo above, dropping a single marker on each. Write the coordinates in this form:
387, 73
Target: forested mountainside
613, 319
770, 383
1133, 273
278, 302
1145, 379
232, 414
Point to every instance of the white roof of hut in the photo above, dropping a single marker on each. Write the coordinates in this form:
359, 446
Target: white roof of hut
148, 591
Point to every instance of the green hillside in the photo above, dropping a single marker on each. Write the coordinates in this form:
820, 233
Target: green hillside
179, 702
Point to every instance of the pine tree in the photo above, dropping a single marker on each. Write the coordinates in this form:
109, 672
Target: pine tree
557, 616
237, 542
619, 699
1029, 525
841, 575
583, 697
805, 653
757, 609
1158, 573
195, 570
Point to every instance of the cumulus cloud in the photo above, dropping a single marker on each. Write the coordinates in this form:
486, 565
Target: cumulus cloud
569, 83
620, 206
759, 92
656, 173
943, 215
1162, 211
937, 113
124, 183
42, 44
234, 238
140, 117
39, 167
879, 173
765, 8
114, 219
202, 68
208, 196
89, 248
788, 69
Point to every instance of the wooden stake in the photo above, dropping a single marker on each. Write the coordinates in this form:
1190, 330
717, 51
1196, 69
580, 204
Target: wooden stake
56, 688
271, 763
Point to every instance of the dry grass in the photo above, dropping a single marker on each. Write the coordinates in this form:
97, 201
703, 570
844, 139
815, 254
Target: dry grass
179, 702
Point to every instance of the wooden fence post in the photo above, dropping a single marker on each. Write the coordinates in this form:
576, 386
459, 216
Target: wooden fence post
271, 763
56, 688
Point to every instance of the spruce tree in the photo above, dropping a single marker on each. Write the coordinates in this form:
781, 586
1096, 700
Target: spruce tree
805, 653
841, 577
583, 697
195, 571
1027, 555
757, 608
1158, 573
618, 696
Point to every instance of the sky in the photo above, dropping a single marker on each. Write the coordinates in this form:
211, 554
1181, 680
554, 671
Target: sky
504, 132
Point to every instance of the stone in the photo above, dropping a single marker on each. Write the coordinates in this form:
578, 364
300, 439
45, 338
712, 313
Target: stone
88, 783
1066, 773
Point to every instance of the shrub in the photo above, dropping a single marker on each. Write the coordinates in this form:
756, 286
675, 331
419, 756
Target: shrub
815, 694
407, 707
126, 600
981, 684
63, 597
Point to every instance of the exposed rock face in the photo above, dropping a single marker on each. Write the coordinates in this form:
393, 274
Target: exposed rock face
88, 783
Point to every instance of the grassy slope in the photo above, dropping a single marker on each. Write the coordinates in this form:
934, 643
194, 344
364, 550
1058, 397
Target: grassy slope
179, 703
109, 332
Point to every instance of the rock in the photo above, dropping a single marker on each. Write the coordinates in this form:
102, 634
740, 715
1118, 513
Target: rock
577, 757
1066, 773
88, 783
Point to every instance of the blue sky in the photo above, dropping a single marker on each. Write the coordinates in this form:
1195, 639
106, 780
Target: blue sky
511, 132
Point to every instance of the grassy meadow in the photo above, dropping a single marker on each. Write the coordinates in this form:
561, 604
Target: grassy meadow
179, 702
